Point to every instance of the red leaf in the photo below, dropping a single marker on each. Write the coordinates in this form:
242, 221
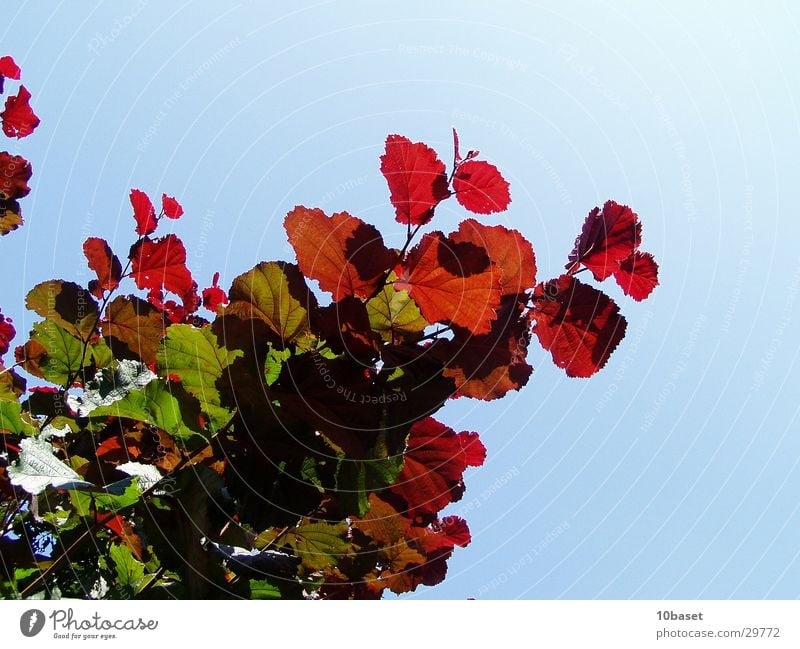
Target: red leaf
160, 264
103, 262
172, 208
473, 448
19, 119
15, 172
451, 282
435, 461
7, 332
508, 249
480, 187
443, 534
214, 296
143, 212
416, 178
637, 275
607, 238
346, 255
578, 324
8, 70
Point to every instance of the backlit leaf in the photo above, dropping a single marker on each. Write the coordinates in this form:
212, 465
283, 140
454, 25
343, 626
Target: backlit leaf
276, 293
195, 357
508, 249
637, 275
416, 178
579, 325
608, 237
160, 264
480, 187
8, 70
18, 117
172, 209
103, 262
7, 333
346, 255
319, 545
66, 304
435, 461
52, 353
15, 172
395, 316
135, 325
10, 216
164, 405
452, 282
488, 366
143, 212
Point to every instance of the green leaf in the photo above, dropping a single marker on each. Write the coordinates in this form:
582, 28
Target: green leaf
356, 479
117, 496
53, 353
13, 421
319, 545
102, 356
66, 304
164, 405
194, 355
130, 572
112, 385
263, 589
274, 363
276, 293
395, 316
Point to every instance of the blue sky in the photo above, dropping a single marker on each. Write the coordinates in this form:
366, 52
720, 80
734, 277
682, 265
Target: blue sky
673, 472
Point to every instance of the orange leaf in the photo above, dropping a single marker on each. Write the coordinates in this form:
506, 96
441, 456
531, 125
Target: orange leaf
344, 254
452, 282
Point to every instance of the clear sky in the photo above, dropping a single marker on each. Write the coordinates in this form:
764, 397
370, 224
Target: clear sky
672, 473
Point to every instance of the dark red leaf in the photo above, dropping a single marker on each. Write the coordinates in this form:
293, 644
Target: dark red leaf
480, 187
452, 282
8, 70
18, 118
346, 255
487, 366
435, 461
172, 208
7, 332
607, 238
103, 262
160, 264
214, 296
578, 324
508, 249
15, 172
344, 325
637, 275
416, 178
